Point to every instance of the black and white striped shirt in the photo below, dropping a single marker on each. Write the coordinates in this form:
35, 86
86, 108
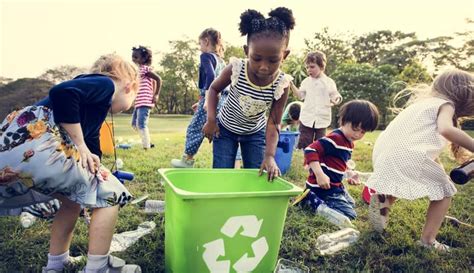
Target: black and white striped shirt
245, 108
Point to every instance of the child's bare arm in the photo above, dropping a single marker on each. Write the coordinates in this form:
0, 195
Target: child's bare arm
321, 178
447, 129
156, 85
299, 93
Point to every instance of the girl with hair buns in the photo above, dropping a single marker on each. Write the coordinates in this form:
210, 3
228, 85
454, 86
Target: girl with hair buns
256, 85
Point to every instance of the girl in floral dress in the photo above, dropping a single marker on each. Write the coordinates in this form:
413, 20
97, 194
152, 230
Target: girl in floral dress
51, 151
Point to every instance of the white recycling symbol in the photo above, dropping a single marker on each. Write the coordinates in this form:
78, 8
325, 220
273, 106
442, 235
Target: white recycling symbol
214, 249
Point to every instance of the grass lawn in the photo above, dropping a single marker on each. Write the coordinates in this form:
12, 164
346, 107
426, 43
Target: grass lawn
24, 250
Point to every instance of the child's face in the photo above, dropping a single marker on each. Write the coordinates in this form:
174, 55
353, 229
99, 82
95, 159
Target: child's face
351, 132
137, 58
313, 70
204, 45
123, 98
265, 56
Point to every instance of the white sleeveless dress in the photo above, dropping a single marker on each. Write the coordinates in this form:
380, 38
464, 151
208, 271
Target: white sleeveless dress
404, 155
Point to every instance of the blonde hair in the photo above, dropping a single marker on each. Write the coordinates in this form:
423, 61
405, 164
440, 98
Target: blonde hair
455, 85
115, 67
215, 39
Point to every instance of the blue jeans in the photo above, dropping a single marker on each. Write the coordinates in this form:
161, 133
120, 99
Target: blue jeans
225, 149
140, 117
339, 200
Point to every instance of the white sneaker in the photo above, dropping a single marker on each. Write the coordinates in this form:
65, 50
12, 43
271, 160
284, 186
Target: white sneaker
184, 162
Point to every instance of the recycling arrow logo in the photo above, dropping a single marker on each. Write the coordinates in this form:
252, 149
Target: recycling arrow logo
214, 249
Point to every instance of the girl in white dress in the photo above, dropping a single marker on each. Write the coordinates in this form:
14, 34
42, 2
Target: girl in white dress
405, 156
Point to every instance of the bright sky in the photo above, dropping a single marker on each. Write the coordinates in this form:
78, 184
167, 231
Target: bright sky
39, 34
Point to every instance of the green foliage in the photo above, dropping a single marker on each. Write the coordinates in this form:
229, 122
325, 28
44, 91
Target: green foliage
336, 47
374, 47
62, 73
294, 65
415, 73
179, 72
22, 92
233, 51
363, 81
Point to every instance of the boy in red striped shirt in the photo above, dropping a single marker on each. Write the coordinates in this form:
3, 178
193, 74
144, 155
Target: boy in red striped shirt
327, 157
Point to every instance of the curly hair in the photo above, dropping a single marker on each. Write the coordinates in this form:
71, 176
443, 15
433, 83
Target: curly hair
145, 53
280, 22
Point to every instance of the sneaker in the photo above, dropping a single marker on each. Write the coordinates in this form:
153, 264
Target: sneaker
435, 245
184, 162
117, 265
152, 146
379, 209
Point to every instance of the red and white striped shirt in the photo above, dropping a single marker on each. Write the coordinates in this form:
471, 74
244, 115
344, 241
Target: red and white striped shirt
145, 89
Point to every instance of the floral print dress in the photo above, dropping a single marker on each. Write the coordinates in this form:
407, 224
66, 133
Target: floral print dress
38, 159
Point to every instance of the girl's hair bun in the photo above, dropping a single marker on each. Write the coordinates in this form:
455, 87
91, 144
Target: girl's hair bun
285, 15
246, 19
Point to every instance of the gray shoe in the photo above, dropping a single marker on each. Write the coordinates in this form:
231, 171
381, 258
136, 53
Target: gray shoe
184, 162
117, 265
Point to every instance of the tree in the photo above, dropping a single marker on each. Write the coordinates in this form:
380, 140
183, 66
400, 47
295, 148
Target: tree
295, 66
22, 92
179, 73
372, 48
336, 48
62, 73
415, 73
233, 51
363, 81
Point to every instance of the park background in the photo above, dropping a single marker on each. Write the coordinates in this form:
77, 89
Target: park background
374, 50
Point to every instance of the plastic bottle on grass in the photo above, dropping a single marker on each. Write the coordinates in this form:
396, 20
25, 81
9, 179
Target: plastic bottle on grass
334, 216
27, 219
154, 206
331, 243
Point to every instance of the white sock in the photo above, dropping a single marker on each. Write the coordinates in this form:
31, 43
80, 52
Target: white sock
96, 263
145, 135
57, 261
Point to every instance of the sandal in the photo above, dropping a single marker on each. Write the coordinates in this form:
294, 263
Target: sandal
379, 209
435, 245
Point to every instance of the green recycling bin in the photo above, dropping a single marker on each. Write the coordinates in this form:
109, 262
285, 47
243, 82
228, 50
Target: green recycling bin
223, 220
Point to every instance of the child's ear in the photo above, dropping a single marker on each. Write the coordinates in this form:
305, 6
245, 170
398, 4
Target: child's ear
246, 50
285, 54
128, 87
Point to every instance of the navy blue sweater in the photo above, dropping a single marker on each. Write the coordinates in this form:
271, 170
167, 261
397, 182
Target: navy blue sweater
206, 70
85, 99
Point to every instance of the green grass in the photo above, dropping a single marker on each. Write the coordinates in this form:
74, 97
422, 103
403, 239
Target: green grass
24, 250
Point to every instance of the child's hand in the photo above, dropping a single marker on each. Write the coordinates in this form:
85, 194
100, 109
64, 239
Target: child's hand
353, 178
88, 159
154, 100
195, 106
323, 181
210, 129
269, 165
336, 100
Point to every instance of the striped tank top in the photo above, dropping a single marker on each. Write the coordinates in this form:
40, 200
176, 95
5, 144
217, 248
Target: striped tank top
246, 105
